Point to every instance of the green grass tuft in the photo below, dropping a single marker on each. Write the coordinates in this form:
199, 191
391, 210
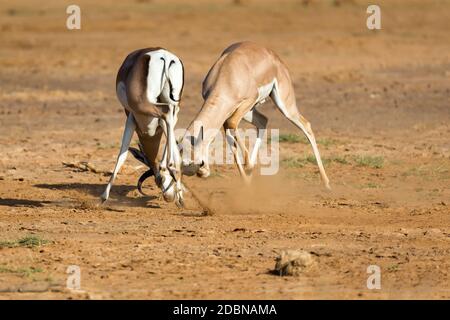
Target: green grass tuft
28, 241
24, 272
370, 185
375, 162
293, 162
310, 159
292, 138
338, 159
295, 138
326, 142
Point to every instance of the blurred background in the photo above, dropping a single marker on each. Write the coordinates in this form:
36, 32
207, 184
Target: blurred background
318, 39
378, 102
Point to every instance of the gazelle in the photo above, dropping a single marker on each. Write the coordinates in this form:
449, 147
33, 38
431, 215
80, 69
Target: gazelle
245, 75
149, 86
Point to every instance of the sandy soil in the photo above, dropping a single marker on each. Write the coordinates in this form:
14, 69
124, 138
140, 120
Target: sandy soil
379, 102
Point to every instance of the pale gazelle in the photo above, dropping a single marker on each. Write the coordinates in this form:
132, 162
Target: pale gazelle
149, 86
245, 75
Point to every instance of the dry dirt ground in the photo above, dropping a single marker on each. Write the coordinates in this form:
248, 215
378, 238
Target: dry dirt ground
379, 102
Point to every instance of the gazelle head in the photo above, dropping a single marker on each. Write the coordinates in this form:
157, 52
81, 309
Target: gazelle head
194, 152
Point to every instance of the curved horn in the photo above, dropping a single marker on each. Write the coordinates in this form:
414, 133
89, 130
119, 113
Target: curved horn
139, 155
141, 180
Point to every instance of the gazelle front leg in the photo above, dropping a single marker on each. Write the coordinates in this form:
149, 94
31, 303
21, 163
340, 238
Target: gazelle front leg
233, 142
170, 159
171, 162
244, 150
130, 126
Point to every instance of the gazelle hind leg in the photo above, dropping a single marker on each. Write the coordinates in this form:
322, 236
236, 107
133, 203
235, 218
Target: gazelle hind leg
260, 122
290, 111
244, 150
130, 126
233, 142
232, 135
305, 126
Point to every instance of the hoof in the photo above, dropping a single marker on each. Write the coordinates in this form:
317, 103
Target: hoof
103, 198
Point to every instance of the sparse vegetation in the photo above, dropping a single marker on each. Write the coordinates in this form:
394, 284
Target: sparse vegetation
376, 162
294, 162
301, 162
292, 138
362, 161
23, 272
295, 138
326, 142
370, 185
433, 171
337, 159
28, 241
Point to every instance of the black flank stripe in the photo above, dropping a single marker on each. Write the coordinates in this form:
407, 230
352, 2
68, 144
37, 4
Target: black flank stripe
164, 69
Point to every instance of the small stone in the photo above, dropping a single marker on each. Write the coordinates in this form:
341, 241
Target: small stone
292, 262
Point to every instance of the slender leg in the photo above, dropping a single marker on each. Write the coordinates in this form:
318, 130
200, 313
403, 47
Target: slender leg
234, 139
243, 148
149, 148
170, 157
165, 178
130, 126
260, 122
231, 139
163, 125
290, 111
305, 126
171, 162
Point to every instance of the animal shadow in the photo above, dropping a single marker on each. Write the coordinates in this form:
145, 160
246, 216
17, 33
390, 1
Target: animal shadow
9, 202
119, 193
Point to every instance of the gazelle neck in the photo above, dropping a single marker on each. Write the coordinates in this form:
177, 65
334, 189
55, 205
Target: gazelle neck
209, 121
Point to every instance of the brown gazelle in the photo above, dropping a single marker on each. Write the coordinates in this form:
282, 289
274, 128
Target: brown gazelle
245, 75
149, 85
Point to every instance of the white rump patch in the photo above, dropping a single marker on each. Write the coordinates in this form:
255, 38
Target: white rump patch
163, 67
264, 91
